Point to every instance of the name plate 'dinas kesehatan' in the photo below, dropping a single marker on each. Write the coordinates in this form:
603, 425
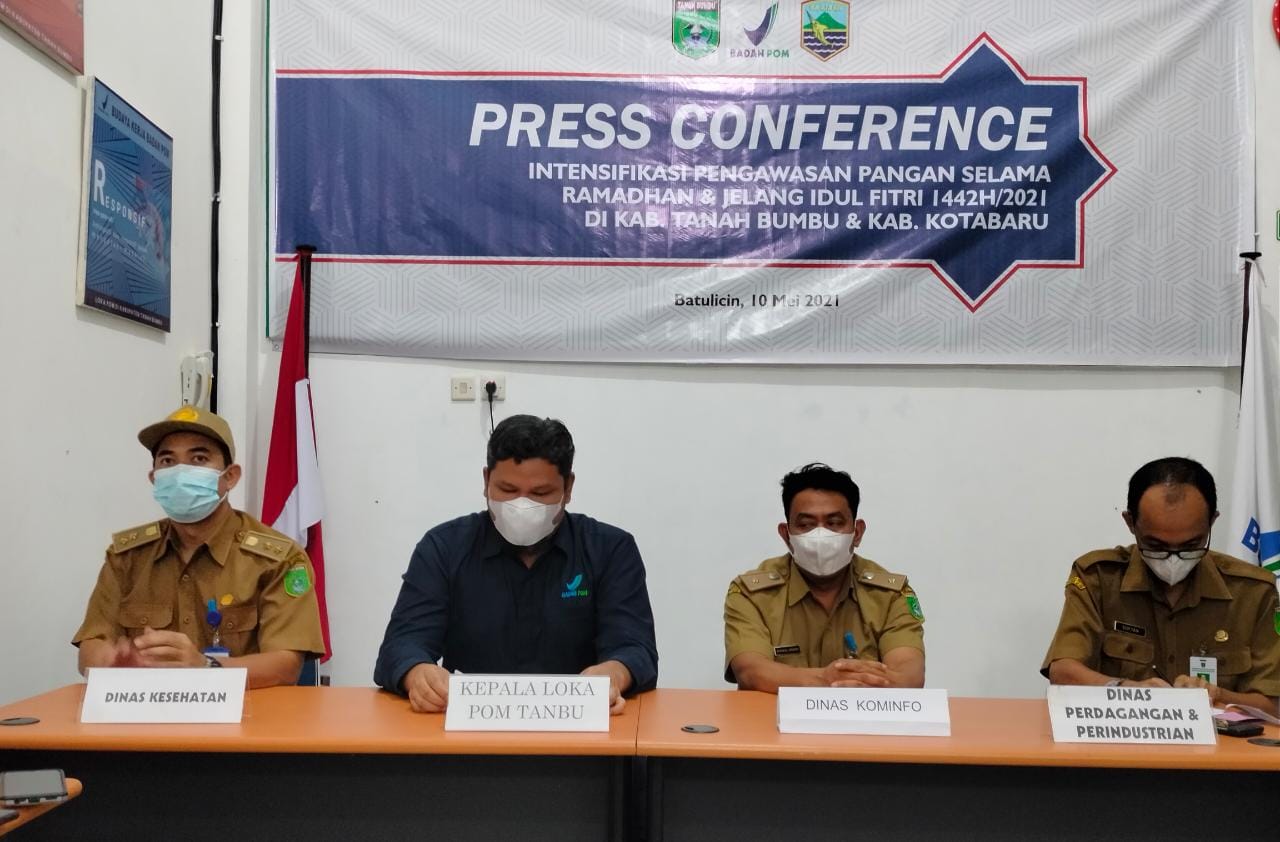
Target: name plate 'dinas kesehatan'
1131, 715
165, 696
856, 710
527, 703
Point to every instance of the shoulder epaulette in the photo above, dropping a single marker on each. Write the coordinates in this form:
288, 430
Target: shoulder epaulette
1230, 566
760, 580
135, 537
883, 579
1116, 555
274, 547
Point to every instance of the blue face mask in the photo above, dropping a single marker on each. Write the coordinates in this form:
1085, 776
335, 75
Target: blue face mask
187, 493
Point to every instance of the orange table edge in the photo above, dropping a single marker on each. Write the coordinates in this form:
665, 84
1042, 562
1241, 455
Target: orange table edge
363, 720
984, 732
303, 720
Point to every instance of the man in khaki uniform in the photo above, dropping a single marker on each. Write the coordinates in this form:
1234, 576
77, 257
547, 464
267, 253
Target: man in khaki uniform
207, 586
1149, 614
822, 616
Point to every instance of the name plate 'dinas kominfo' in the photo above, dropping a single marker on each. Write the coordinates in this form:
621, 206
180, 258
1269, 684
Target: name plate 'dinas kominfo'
856, 710
164, 696
1131, 715
527, 703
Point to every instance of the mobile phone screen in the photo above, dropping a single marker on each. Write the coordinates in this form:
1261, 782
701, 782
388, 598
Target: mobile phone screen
32, 787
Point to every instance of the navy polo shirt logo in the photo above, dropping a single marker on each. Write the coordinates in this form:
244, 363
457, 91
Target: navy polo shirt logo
572, 590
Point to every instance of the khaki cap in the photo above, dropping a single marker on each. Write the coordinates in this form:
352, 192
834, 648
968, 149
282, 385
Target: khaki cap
189, 419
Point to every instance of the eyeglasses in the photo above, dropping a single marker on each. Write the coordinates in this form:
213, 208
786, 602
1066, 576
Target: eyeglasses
1185, 555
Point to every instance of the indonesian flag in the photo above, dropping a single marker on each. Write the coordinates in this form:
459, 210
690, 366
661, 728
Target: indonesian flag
1255, 495
291, 498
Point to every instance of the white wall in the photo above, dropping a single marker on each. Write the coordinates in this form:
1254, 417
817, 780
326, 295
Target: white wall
981, 484
77, 385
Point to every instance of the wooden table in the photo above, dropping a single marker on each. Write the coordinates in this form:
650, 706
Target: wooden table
321, 763
999, 775
30, 814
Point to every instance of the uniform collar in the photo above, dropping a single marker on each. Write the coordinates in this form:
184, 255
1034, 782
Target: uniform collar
219, 544
798, 586
1205, 580
493, 545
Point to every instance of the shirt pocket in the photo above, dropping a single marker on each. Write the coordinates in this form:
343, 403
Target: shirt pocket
239, 627
1124, 656
1233, 662
135, 617
575, 605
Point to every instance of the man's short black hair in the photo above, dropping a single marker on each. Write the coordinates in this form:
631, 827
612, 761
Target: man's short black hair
522, 437
1172, 470
819, 477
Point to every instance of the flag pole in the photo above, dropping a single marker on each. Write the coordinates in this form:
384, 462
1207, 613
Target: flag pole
1249, 257
305, 251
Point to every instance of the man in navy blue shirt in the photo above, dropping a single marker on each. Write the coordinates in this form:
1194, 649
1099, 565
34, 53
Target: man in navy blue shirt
524, 587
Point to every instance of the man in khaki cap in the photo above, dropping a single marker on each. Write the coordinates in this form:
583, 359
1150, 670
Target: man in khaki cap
208, 585
822, 616
1165, 610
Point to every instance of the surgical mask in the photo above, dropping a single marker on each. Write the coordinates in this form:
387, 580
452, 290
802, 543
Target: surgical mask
821, 552
187, 493
524, 522
1171, 570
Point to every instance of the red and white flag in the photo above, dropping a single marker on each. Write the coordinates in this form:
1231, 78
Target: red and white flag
291, 498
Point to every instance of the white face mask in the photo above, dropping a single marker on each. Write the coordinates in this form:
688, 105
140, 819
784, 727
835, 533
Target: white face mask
1171, 570
524, 522
821, 552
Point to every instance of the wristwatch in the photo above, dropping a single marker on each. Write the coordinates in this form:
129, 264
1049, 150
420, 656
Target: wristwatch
210, 661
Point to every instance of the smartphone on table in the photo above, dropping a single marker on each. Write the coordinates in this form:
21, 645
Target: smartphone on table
41, 786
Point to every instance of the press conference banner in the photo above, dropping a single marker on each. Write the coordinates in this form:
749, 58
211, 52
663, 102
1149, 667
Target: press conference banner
817, 181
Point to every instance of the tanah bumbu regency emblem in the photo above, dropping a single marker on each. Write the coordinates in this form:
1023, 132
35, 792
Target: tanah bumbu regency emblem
695, 27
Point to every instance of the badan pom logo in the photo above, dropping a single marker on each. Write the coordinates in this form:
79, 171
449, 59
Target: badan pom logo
695, 27
824, 27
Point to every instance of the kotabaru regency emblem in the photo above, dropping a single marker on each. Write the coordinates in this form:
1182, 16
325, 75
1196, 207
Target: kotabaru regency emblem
695, 27
824, 27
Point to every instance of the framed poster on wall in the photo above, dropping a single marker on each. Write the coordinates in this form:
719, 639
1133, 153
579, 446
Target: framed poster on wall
56, 27
126, 211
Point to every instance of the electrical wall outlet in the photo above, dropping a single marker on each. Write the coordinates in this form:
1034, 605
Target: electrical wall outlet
499, 381
462, 388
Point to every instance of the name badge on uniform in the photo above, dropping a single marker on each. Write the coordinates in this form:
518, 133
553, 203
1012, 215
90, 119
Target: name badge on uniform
1206, 668
786, 649
1129, 628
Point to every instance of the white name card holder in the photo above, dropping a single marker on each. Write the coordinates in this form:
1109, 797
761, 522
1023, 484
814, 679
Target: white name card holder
527, 703
857, 710
1130, 715
164, 696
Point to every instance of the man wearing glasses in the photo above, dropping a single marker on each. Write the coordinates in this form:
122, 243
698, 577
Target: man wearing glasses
1165, 611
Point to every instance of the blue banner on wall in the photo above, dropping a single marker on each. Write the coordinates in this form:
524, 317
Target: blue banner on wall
973, 173
125, 232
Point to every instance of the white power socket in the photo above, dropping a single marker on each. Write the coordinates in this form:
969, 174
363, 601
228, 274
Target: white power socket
498, 380
462, 388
